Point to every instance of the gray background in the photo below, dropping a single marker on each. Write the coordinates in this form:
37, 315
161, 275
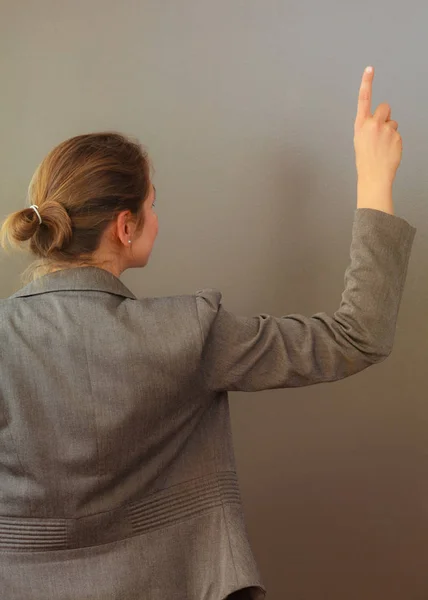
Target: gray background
247, 109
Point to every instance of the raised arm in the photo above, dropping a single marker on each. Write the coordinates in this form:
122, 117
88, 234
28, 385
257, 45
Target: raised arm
265, 352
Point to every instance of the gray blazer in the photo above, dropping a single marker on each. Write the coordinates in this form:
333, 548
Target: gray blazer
117, 472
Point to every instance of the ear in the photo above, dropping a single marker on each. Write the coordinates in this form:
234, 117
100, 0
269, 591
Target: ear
125, 227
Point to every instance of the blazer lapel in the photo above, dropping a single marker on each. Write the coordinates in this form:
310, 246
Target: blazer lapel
76, 279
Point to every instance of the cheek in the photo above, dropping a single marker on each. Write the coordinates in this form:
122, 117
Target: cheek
155, 225
150, 228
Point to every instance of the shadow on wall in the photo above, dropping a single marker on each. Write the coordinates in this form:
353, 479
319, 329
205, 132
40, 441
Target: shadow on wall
301, 269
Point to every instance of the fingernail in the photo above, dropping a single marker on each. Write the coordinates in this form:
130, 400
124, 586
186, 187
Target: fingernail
369, 69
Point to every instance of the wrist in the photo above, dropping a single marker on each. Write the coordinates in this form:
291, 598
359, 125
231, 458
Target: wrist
376, 195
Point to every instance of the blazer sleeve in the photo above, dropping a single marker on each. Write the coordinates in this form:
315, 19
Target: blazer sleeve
266, 352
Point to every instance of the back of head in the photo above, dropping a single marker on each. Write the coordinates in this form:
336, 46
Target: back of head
78, 189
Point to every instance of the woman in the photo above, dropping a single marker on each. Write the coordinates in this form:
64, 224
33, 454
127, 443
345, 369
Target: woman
117, 475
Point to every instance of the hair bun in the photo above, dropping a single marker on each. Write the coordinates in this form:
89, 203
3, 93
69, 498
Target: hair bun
48, 228
55, 231
19, 227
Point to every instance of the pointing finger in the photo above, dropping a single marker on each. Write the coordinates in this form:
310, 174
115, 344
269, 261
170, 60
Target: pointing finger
365, 97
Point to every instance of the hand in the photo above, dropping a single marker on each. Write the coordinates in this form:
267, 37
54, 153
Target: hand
378, 145
378, 149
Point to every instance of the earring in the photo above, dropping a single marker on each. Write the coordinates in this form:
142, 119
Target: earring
129, 242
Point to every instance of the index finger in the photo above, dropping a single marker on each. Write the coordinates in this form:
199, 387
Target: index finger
365, 97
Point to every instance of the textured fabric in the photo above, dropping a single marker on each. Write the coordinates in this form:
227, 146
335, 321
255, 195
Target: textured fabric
117, 473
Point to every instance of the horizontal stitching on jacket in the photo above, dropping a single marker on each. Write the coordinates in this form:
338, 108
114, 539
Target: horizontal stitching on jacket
164, 508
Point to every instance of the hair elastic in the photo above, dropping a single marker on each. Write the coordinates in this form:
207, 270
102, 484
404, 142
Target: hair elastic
36, 210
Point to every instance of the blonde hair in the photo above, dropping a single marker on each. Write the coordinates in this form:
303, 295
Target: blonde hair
79, 188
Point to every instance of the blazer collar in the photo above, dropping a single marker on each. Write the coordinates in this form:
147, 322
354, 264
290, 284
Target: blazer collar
76, 279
